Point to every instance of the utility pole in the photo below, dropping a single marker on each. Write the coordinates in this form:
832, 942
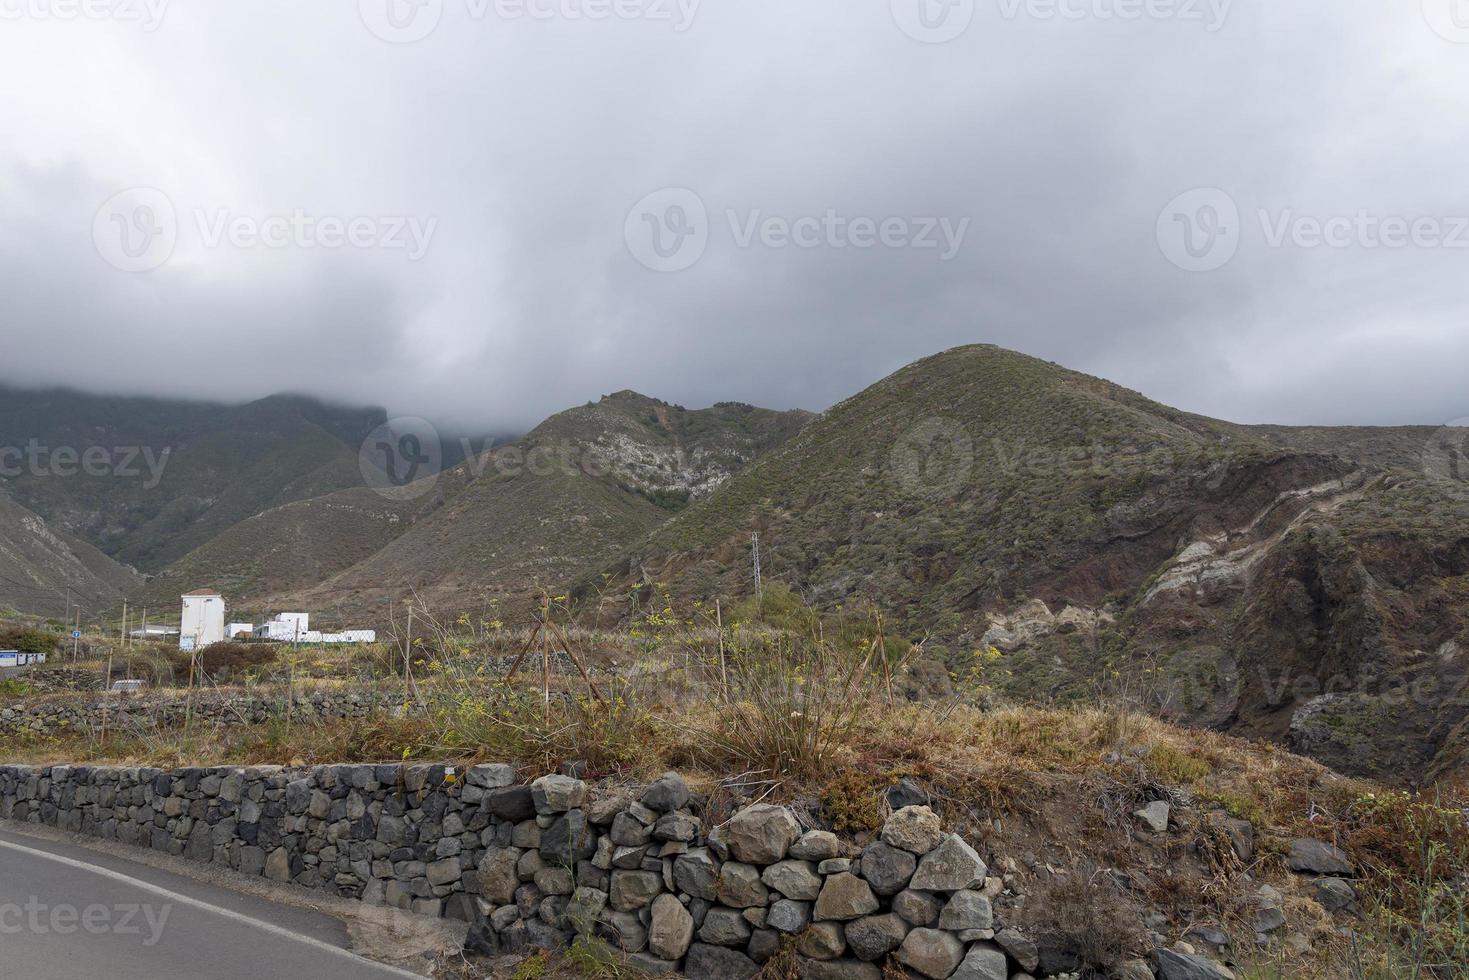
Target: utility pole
755, 554
124, 622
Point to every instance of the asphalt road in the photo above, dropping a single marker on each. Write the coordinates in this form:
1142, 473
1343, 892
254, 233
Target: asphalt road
69, 913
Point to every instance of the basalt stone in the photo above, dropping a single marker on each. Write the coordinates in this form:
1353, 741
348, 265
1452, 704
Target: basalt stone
874, 936
1180, 966
844, 897
697, 873
918, 908
671, 930
817, 845
497, 875
1318, 857
847, 969
915, 829
793, 879
823, 941
952, 866
628, 832
569, 839
983, 962
967, 910
557, 794
740, 886
632, 890
932, 953
763, 946
788, 916
624, 930
724, 927
669, 792
584, 909
886, 868
1335, 895
761, 834
1020, 948
680, 827
513, 803
708, 962
490, 776
906, 793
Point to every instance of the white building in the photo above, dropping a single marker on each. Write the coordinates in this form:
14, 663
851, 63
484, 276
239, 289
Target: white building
296, 628
202, 622
285, 628
236, 630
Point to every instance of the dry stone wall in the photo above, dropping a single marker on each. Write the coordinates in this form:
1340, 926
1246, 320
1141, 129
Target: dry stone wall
534, 866
59, 714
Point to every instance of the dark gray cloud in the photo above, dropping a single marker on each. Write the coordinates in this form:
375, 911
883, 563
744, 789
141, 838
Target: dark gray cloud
449, 225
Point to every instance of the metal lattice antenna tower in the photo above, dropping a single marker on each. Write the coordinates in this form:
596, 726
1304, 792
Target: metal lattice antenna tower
755, 554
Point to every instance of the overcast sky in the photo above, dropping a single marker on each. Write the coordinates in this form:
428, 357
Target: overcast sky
449, 208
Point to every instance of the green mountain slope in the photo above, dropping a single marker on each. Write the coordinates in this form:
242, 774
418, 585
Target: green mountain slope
171, 474
44, 572
583, 485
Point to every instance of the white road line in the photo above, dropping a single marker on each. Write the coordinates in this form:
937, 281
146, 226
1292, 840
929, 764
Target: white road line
230, 914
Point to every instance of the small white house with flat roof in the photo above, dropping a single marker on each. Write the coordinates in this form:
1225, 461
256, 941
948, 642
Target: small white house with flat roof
202, 622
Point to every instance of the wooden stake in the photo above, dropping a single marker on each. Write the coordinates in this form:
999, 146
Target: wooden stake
723, 668
106, 695
546, 655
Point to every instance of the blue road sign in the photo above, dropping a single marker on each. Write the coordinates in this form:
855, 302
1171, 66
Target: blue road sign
76, 634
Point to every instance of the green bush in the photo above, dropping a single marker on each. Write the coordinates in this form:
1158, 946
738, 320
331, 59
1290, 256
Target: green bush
27, 640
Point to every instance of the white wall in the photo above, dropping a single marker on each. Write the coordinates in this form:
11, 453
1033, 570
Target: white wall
202, 622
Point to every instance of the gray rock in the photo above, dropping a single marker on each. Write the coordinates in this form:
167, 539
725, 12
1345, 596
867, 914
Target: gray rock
761, 834
873, 937
1131, 970
967, 910
724, 927
672, 928
793, 879
632, 890
669, 792
1154, 816
817, 845
557, 794
490, 776
789, 916
497, 874
444, 872
1335, 895
845, 897
984, 962
1241, 833
697, 874
1180, 966
681, 827
1020, 948
823, 941
932, 953
1318, 857
718, 963
584, 909
278, 865
628, 832
740, 886
555, 881
764, 945
809, 969
915, 829
918, 908
952, 866
886, 868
